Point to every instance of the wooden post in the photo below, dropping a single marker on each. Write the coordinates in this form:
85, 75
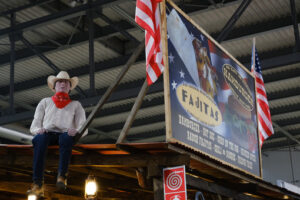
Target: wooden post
166, 71
158, 190
109, 90
137, 104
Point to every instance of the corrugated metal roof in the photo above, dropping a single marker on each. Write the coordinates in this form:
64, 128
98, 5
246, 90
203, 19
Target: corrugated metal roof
141, 129
281, 69
121, 117
277, 86
4, 4
211, 19
265, 41
284, 116
284, 101
65, 59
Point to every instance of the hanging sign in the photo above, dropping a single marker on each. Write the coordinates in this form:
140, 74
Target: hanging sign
174, 183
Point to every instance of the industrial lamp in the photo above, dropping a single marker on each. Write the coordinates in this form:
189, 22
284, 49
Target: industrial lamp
90, 188
32, 197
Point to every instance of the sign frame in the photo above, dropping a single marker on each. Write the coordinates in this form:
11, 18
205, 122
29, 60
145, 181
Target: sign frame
168, 111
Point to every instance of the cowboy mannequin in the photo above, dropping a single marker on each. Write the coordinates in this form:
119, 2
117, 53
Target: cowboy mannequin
57, 120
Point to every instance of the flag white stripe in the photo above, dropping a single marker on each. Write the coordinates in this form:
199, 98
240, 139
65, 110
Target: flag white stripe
260, 86
265, 118
262, 97
147, 3
151, 73
262, 131
149, 45
258, 75
143, 16
157, 17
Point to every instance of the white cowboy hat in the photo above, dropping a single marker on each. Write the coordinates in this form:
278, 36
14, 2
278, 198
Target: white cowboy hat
62, 76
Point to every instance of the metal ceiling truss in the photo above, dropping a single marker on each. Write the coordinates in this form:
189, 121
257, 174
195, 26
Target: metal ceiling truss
98, 33
229, 25
295, 24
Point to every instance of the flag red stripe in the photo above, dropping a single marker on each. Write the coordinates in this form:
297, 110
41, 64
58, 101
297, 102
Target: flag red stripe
144, 8
143, 24
265, 127
258, 80
150, 21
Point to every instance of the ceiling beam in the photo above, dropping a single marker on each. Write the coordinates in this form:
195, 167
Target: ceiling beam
77, 39
123, 160
259, 27
46, 60
23, 7
215, 188
286, 133
29, 84
52, 18
23, 54
113, 44
229, 25
295, 24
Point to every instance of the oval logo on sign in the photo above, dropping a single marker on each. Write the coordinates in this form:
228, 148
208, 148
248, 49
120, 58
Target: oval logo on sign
238, 86
199, 105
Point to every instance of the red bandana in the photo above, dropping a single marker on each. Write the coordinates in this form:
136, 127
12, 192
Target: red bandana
61, 99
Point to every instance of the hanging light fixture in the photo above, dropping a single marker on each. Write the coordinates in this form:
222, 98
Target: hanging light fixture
91, 188
32, 197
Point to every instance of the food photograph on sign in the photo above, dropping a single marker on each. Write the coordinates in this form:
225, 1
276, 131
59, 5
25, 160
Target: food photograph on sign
212, 97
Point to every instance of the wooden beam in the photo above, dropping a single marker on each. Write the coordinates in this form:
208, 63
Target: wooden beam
126, 173
215, 188
137, 160
158, 189
137, 104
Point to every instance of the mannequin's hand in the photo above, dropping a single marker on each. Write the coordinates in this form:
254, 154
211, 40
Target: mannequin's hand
41, 131
72, 131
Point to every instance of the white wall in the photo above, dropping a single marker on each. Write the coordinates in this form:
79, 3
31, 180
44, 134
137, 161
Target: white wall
277, 165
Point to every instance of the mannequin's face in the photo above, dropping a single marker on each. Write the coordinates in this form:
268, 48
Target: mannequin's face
62, 86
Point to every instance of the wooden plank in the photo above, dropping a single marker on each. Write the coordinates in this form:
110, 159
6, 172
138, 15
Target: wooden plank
130, 174
136, 160
166, 71
97, 146
158, 189
215, 188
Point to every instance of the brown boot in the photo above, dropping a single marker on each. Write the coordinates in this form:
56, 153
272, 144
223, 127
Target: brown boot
61, 183
36, 190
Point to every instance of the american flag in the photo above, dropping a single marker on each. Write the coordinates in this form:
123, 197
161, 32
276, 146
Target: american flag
265, 127
147, 15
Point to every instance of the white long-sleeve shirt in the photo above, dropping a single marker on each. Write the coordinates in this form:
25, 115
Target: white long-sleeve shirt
51, 118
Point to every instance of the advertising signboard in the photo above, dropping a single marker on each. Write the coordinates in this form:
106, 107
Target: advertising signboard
212, 104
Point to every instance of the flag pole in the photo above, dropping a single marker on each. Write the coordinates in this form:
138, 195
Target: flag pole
253, 54
137, 104
109, 90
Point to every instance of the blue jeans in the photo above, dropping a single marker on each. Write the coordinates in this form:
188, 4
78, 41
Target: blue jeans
40, 144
